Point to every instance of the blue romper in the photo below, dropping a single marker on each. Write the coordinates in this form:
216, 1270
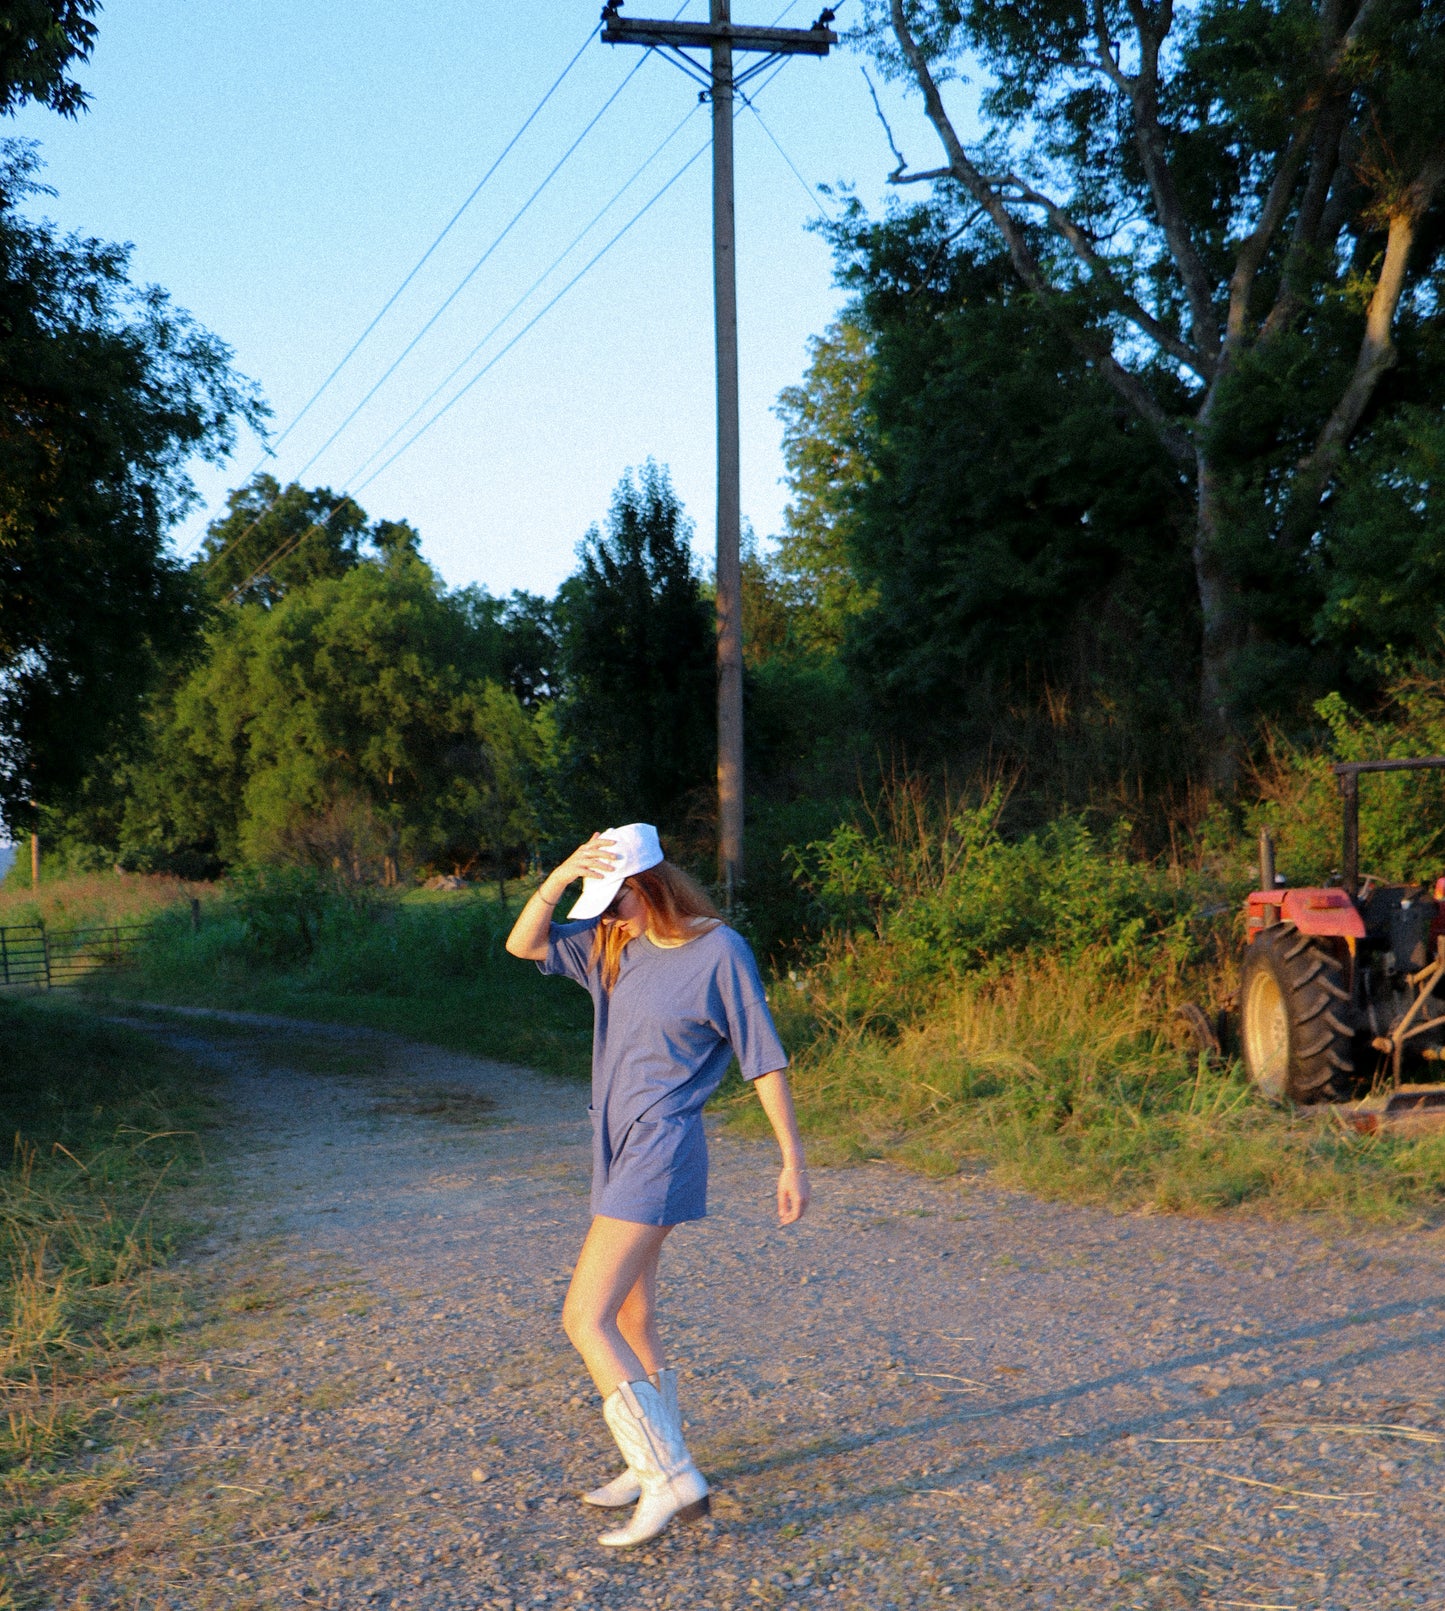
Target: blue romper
662, 1041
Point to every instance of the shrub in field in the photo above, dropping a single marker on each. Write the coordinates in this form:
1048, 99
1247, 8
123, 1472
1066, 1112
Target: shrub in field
280, 910
928, 891
301, 924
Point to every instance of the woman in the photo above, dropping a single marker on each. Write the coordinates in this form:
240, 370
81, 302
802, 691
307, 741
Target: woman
676, 994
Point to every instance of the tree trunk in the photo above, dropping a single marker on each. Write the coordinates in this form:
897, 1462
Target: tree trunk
1222, 630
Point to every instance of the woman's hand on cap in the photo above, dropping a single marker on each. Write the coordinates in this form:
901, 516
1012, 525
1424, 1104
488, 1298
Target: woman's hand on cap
592, 860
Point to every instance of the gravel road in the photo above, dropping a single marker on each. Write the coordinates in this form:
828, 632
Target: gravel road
926, 1394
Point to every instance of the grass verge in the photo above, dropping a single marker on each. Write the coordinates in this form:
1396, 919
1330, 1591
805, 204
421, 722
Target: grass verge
431, 967
959, 1014
1060, 1078
104, 1128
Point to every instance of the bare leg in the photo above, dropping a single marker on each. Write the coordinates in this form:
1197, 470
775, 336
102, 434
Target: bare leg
615, 1256
637, 1318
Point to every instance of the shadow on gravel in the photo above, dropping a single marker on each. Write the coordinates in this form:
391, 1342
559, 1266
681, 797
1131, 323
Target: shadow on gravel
1236, 1397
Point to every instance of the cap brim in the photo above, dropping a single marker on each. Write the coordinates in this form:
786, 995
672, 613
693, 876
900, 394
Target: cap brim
597, 895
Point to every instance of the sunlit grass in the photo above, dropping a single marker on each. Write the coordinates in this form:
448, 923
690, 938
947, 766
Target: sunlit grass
1062, 1078
104, 1130
428, 966
95, 898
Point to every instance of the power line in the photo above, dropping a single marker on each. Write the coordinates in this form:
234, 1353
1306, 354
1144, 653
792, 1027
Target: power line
425, 256
241, 536
471, 272
541, 279
561, 256
292, 543
545, 309
807, 188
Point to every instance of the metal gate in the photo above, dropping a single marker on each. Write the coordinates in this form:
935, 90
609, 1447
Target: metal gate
46, 959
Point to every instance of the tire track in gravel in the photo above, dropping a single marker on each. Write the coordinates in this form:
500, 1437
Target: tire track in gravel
926, 1394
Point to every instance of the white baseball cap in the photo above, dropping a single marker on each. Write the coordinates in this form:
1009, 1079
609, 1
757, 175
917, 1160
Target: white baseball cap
636, 848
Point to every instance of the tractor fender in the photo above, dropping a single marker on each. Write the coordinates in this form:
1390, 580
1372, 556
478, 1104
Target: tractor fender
1324, 912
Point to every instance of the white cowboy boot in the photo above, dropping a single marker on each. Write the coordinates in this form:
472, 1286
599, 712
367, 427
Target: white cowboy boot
651, 1443
625, 1489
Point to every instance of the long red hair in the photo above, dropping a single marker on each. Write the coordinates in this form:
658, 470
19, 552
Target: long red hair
675, 903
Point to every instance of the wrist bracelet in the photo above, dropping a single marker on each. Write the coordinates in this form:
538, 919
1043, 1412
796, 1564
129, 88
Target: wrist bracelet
550, 905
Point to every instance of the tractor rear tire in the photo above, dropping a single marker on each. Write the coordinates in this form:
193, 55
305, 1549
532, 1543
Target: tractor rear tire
1297, 1047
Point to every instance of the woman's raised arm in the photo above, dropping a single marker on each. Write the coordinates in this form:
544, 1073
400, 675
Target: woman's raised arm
528, 938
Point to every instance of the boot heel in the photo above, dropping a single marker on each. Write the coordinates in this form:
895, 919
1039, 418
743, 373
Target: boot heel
697, 1509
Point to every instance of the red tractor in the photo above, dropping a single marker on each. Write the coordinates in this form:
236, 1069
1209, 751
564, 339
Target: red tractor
1337, 993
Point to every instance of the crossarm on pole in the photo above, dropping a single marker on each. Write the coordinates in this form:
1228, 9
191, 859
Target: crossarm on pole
704, 35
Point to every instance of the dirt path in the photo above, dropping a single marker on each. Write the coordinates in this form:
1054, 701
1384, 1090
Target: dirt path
926, 1394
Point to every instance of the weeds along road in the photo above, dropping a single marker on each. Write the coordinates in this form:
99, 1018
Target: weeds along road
926, 1394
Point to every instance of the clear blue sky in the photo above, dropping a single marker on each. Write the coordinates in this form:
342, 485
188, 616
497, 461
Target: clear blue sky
280, 167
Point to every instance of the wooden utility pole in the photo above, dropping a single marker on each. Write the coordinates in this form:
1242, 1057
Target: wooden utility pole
729, 473
721, 39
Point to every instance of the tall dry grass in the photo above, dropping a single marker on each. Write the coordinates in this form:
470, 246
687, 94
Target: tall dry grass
104, 1127
95, 898
1066, 1080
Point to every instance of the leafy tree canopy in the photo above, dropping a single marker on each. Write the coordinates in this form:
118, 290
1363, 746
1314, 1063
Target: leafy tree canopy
638, 718
106, 391
826, 450
40, 40
271, 540
1010, 532
1234, 213
357, 721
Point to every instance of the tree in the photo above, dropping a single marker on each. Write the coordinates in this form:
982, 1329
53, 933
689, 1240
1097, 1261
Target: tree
356, 722
270, 541
1232, 212
1011, 532
106, 391
825, 448
1384, 576
523, 633
39, 40
637, 721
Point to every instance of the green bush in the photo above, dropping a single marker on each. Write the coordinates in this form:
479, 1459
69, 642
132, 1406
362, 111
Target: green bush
1402, 815
929, 891
281, 910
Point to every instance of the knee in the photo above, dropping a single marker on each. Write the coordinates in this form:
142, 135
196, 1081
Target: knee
578, 1322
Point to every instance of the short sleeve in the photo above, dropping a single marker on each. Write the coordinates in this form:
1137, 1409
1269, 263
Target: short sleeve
749, 1025
569, 950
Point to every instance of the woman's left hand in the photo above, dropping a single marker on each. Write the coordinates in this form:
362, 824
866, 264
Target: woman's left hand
793, 1195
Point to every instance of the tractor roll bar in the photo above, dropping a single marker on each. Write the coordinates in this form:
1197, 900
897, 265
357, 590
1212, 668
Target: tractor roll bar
1348, 772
